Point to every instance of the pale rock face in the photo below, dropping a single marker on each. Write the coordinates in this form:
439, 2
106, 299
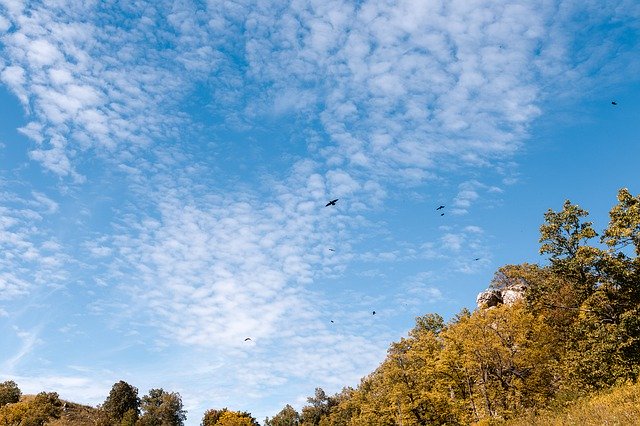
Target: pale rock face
489, 298
507, 296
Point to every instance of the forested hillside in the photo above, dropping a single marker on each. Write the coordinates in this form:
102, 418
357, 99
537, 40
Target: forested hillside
576, 333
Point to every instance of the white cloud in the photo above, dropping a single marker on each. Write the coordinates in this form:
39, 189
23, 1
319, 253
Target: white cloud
46, 202
88, 389
29, 257
29, 340
452, 242
4, 24
469, 192
13, 7
463, 89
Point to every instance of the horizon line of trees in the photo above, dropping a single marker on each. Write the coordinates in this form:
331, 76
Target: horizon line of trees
122, 407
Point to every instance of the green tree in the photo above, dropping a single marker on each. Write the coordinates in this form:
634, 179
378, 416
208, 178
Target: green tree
564, 237
122, 401
564, 232
320, 406
45, 406
624, 224
162, 408
606, 344
9, 393
212, 416
288, 416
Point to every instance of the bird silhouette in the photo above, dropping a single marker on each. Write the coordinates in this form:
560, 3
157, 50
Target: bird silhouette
248, 338
331, 203
614, 103
374, 312
477, 258
441, 214
332, 249
331, 321
440, 208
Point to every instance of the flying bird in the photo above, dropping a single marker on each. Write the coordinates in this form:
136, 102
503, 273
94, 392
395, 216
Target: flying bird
440, 208
374, 312
441, 214
477, 258
614, 103
332, 249
332, 203
248, 338
331, 321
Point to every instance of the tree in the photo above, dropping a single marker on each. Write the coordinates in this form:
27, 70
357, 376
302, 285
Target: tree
162, 408
35, 412
624, 224
564, 236
122, 401
501, 361
235, 418
344, 410
45, 406
411, 380
605, 347
9, 393
212, 416
433, 323
563, 232
288, 416
225, 417
320, 406
371, 403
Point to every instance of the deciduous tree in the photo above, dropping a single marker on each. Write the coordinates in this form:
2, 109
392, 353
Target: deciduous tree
9, 392
122, 400
288, 416
161, 408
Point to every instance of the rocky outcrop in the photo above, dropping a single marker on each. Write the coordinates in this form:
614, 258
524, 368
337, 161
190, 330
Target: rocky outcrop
488, 299
507, 296
513, 293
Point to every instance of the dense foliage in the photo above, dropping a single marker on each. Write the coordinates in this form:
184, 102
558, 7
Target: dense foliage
121, 408
33, 411
619, 405
9, 393
122, 405
226, 417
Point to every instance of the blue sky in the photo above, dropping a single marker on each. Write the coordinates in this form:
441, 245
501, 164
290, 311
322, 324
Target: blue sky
164, 168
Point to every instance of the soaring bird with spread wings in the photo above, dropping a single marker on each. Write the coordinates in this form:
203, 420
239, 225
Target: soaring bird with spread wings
332, 202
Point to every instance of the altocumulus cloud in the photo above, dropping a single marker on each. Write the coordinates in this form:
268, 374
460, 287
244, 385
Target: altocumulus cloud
30, 256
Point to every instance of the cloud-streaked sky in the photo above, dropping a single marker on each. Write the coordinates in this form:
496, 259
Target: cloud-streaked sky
164, 170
